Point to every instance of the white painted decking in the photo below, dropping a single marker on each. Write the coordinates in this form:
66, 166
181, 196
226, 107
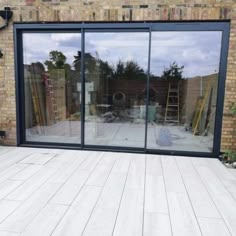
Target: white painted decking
60, 192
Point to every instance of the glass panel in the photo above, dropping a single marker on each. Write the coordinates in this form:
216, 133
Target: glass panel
51, 78
183, 90
116, 76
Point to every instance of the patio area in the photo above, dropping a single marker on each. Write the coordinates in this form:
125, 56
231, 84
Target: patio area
64, 192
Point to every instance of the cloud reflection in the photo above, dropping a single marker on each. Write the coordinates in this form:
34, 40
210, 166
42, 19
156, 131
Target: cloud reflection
199, 52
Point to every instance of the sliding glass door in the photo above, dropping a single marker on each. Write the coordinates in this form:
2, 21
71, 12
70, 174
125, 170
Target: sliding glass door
115, 68
183, 90
149, 87
52, 87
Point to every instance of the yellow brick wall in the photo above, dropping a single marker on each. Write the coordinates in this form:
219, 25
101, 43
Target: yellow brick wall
112, 10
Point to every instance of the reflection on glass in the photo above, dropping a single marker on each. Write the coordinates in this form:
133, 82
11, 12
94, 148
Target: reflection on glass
183, 90
115, 89
51, 77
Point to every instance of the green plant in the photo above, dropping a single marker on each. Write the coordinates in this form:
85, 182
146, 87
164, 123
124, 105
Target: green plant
229, 156
233, 108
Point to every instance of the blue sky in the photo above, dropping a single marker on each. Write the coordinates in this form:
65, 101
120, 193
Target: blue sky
199, 52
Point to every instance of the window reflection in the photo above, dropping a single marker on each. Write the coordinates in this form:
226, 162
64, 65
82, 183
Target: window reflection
51, 76
181, 105
184, 80
115, 89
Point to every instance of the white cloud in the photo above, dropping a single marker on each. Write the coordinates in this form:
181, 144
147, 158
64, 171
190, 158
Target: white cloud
113, 47
64, 37
199, 52
37, 46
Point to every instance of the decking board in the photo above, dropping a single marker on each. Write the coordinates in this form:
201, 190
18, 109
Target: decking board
104, 193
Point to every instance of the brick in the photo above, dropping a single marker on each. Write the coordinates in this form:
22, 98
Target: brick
114, 10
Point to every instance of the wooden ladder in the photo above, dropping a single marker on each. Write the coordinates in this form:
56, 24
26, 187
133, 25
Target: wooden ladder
172, 104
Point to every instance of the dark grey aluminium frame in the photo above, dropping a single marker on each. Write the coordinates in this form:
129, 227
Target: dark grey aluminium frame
148, 26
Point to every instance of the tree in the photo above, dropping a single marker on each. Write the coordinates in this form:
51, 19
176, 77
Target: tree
174, 72
57, 60
119, 70
133, 71
105, 70
128, 70
77, 61
122, 70
89, 62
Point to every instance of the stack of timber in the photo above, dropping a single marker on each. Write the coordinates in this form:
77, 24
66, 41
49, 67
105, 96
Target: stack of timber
202, 113
36, 86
